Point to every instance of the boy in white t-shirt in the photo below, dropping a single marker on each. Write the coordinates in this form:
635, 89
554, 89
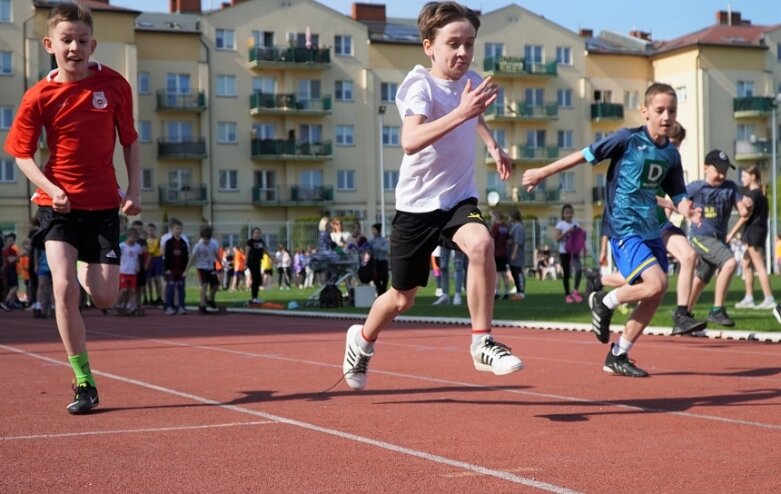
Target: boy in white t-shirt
436, 197
129, 258
204, 257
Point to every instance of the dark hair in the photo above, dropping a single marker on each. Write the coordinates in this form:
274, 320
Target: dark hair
207, 232
174, 222
516, 215
69, 12
378, 227
567, 206
678, 133
435, 15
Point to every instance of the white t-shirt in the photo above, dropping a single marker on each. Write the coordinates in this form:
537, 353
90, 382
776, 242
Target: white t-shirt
442, 174
129, 257
205, 254
563, 227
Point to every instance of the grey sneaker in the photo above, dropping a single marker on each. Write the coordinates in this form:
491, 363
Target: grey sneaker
720, 317
684, 323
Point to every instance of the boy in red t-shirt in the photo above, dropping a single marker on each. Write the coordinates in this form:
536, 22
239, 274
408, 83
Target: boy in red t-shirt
83, 106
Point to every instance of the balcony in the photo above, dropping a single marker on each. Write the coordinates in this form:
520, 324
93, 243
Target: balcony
522, 111
752, 106
518, 67
186, 102
291, 150
294, 195
288, 104
192, 149
607, 111
531, 154
540, 196
294, 58
747, 150
186, 195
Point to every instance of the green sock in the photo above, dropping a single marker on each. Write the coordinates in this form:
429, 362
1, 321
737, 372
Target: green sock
80, 364
714, 309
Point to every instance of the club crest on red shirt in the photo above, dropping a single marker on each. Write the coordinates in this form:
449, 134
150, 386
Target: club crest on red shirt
99, 100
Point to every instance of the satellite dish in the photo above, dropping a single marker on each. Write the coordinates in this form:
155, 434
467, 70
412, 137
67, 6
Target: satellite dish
493, 198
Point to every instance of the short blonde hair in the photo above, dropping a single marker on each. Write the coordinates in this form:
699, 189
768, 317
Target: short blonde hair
65, 12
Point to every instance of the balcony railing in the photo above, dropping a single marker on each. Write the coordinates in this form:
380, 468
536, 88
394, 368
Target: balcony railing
175, 101
607, 111
531, 153
267, 103
752, 106
288, 149
747, 150
517, 66
293, 195
523, 111
291, 57
186, 195
192, 149
540, 196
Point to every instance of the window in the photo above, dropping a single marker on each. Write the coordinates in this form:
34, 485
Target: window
229, 180
535, 138
564, 98
564, 55
6, 117
567, 181
390, 179
778, 52
263, 39
631, 100
310, 178
493, 182
564, 139
263, 131
343, 45
225, 39
226, 85
533, 53
7, 171
265, 179
388, 91
745, 131
179, 179
144, 85
603, 96
390, 135
598, 136
745, 89
265, 85
226, 133
344, 90
144, 131
6, 63
309, 89
680, 93
146, 179
5, 10
179, 131
534, 96
494, 50
345, 179
303, 40
175, 85
310, 133
344, 135
500, 136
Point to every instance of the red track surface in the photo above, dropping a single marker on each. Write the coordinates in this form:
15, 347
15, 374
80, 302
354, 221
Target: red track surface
234, 404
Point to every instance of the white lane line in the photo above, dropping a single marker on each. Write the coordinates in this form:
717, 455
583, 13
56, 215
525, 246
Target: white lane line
442, 460
498, 388
135, 431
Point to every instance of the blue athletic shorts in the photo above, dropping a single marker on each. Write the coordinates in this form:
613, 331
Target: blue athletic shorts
633, 255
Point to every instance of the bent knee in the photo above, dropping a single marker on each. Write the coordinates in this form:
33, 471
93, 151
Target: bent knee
103, 299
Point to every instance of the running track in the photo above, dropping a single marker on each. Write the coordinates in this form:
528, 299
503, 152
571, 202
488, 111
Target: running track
235, 404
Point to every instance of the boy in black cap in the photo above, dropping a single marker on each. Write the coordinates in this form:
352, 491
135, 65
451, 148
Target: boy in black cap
716, 196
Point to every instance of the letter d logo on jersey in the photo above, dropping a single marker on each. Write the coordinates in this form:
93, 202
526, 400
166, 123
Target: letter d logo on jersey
99, 100
653, 173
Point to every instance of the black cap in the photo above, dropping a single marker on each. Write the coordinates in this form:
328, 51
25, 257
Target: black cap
720, 160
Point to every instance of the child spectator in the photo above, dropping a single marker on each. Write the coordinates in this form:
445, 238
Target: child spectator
566, 228
129, 266
204, 258
500, 232
516, 254
175, 258
154, 276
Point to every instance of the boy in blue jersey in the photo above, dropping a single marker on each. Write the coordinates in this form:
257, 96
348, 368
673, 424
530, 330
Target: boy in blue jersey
641, 161
716, 196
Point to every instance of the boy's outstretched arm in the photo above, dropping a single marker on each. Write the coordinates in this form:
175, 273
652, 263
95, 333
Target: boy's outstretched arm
534, 176
60, 201
132, 202
503, 160
417, 133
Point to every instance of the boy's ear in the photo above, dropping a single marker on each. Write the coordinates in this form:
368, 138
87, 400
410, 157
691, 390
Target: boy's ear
47, 44
427, 48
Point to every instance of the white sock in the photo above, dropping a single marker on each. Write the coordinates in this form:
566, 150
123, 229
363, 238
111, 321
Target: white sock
365, 345
477, 339
623, 346
610, 300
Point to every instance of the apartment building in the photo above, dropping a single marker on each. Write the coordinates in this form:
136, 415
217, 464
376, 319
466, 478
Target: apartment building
267, 112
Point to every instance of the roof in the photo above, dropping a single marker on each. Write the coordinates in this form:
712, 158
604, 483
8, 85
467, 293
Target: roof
93, 5
176, 23
744, 36
402, 31
609, 42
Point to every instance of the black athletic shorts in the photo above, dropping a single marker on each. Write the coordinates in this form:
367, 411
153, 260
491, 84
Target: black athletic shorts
208, 277
95, 234
416, 235
755, 237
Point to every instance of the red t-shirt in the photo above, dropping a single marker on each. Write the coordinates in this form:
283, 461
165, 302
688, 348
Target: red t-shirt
82, 120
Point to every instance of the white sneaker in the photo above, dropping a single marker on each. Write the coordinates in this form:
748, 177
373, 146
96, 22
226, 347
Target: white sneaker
768, 303
442, 300
492, 356
457, 299
170, 311
746, 303
438, 292
356, 361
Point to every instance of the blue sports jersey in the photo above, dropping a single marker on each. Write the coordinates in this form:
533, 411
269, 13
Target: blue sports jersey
638, 167
716, 204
